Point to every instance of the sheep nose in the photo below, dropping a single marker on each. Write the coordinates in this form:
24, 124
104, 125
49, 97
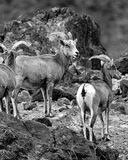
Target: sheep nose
77, 54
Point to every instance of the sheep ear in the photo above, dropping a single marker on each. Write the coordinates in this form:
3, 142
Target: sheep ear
70, 35
112, 61
62, 42
102, 63
75, 40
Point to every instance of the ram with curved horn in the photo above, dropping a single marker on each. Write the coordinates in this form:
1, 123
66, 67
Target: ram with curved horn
16, 44
8, 81
95, 97
7, 85
43, 71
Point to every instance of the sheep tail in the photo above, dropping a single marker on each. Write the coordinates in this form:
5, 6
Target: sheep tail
83, 93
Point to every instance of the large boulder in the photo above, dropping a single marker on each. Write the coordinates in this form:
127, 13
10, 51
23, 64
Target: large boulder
124, 87
122, 63
57, 93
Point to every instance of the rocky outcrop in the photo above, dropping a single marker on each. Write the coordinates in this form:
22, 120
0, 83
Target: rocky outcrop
124, 87
122, 64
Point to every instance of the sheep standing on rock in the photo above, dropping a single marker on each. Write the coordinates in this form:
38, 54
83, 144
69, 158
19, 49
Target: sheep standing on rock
96, 96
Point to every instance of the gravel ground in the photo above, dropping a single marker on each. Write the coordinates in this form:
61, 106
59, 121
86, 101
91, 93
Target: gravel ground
70, 116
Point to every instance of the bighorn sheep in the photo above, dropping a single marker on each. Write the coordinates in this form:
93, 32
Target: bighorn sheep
95, 97
8, 82
43, 71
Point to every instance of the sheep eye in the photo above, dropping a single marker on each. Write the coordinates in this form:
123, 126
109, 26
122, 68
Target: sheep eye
108, 67
67, 45
113, 67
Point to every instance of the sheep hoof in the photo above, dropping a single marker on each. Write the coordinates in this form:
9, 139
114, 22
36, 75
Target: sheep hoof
106, 138
49, 115
18, 117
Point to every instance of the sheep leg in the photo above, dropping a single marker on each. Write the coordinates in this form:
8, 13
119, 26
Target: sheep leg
43, 91
82, 106
1, 106
7, 104
91, 125
14, 102
83, 117
49, 95
102, 123
107, 137
13, 95
15, 109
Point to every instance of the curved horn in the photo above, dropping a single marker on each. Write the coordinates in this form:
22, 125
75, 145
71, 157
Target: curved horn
3, 47
28, 44
102, 57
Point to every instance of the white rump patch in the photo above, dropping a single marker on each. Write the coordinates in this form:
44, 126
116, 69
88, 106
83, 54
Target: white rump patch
90, 93
89, 88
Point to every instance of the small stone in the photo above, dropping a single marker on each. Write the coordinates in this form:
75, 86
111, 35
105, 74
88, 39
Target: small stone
63, 101
29, 106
